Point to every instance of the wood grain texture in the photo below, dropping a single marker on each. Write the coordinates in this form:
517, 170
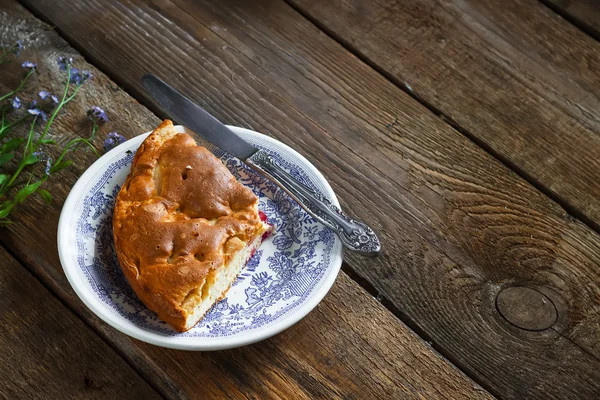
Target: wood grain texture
322, 358
350, 347
39, 243
585, 14
457, 226
48, 353
516, 77
526, 308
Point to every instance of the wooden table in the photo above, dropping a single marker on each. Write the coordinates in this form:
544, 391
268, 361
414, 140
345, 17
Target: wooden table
466, 132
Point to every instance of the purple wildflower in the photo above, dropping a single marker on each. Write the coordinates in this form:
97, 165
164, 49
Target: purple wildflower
43, 158
79, 77
17, 48
44, 95
36, 111
97, 114
28, 65
63, 62
48, 166
112, 140
16, 102
75, 77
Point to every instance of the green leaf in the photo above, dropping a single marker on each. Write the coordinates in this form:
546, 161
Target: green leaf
11, 145
60, 166
3, 177
47, 141
45, 195
6, 157
26, 191
5, 209
31, 159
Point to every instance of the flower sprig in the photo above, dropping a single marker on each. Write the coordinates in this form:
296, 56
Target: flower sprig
14, 49
30, 67
33, 166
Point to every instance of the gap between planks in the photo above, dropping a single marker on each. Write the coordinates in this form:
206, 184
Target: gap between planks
364, 284
564, 203
571, 210
351, 272
346, 268
164, 390
573, 20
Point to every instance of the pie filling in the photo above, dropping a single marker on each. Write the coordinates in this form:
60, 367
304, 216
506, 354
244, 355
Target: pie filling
183, 227
218, 282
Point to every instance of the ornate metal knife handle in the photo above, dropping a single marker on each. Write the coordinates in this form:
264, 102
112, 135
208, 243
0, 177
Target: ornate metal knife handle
355, 235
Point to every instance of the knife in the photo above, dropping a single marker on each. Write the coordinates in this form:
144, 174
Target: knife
355, 235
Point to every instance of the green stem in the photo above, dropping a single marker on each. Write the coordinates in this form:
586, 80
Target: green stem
10, 205
62, 102
73, 142
23, 81
6, 128
95, 128
3, 119
26, 154
94, 131
6, 53
17, 122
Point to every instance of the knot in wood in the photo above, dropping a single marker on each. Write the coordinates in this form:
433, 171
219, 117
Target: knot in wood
526, 308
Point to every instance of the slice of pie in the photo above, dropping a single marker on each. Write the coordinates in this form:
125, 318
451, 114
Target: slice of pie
183, 226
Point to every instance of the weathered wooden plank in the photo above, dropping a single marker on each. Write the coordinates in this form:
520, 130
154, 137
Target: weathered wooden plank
583, 13
454, 221
458, 227
326, 358
47, 352
517, 78
17, 23
349, 347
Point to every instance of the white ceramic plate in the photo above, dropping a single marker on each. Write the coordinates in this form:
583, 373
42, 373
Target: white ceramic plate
288, 276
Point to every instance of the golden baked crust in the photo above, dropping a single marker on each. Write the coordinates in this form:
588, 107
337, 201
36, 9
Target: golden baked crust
178, 218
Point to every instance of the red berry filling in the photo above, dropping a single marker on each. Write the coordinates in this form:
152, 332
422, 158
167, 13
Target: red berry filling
263, 218
262, 215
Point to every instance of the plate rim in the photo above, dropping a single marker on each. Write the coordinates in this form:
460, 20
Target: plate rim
199, 344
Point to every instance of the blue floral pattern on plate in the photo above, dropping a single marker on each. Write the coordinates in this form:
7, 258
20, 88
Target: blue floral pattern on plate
279, 278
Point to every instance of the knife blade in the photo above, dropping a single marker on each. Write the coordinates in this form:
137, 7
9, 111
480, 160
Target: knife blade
354, 235
189, 114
